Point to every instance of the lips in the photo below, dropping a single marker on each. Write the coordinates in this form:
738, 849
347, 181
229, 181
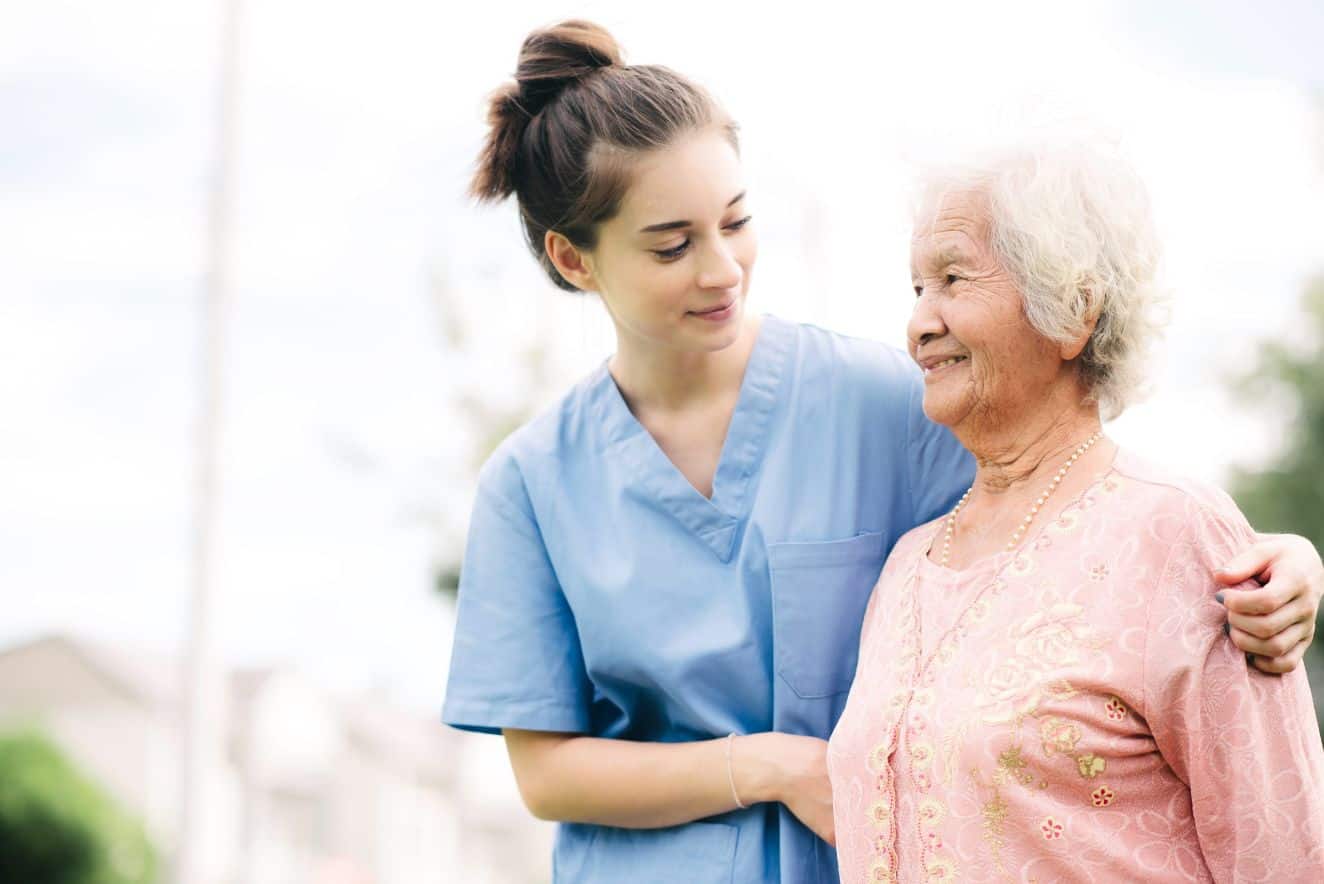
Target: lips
725, 305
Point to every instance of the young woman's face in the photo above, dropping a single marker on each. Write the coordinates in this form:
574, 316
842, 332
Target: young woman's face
673, 265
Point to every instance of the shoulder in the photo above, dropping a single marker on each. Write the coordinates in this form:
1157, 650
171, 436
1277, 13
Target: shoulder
915, 542
1193, 519
569, 429
873, 374
857, 357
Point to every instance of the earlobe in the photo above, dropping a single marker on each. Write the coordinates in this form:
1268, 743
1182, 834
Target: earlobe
572, 263
1074, 347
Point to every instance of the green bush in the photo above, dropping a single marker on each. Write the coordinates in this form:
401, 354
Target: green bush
58, 827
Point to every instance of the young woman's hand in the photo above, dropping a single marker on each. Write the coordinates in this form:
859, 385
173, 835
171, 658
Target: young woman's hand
1274, 624
787, 768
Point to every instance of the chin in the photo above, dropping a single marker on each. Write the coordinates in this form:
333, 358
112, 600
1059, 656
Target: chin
721, 335
943, 410
717, 342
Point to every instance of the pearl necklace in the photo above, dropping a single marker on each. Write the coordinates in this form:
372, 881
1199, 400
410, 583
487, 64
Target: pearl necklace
1034, 510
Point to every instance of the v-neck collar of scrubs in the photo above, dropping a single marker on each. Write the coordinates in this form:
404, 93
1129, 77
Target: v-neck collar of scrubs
715, 520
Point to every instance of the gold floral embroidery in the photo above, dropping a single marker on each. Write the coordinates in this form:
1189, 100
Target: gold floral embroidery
1012, 767
1091, 765
878, 758
995, 819
1060, 689
1115, 708
1051, 828
921, 754
1058, 735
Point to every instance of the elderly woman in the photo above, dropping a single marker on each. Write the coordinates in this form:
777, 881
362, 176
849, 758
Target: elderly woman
1043, 691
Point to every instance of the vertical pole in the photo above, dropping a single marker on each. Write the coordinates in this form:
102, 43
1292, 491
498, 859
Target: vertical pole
203, 685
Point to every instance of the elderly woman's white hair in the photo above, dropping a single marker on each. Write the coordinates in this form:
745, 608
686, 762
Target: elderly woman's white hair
1071, 223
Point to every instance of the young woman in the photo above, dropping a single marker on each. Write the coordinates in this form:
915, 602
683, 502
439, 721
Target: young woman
682, 549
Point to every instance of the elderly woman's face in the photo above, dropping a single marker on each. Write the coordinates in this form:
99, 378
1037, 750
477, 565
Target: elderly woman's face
982, 360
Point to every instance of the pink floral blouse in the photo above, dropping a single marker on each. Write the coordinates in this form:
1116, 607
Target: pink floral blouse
1073, 711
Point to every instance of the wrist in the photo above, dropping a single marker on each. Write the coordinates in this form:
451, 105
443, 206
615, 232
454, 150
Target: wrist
756, 769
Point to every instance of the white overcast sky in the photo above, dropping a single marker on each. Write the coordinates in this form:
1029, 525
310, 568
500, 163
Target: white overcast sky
359, 125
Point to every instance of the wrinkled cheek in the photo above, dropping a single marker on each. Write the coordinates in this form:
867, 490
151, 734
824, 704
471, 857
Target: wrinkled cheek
983, 386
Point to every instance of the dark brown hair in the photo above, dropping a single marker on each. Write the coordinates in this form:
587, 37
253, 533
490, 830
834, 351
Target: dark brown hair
560, 136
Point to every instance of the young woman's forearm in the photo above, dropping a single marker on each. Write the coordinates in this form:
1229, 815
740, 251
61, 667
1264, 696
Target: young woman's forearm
628, 784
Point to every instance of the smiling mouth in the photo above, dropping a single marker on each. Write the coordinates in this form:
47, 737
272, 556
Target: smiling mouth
944, 364
718, 309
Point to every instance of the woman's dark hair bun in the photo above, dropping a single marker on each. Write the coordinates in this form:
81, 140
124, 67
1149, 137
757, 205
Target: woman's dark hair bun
550, 60
571, 95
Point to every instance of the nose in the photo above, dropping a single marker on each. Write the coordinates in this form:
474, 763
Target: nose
926, 323
718, 267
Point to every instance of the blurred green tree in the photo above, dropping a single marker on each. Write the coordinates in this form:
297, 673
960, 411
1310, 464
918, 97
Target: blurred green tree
1287, 494
58, 827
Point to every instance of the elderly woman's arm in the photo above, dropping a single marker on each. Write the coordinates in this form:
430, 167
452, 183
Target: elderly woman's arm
1274, 622
1246, 744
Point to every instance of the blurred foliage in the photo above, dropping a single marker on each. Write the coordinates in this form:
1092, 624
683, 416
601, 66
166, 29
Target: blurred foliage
448, 578
1287, 495
58, 827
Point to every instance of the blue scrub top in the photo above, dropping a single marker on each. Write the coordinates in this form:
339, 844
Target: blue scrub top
602, 594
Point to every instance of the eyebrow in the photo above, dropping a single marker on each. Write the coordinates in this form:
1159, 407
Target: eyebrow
677, 225
949, 255
946, 256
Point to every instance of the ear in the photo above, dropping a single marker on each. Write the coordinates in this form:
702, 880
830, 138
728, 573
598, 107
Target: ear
1072, 348
1075, 345
574, 264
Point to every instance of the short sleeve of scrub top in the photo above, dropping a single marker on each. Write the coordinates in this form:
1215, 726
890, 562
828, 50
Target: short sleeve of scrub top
602, 594
516, 620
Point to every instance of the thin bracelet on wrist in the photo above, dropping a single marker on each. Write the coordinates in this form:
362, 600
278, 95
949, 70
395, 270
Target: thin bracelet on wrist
730, 775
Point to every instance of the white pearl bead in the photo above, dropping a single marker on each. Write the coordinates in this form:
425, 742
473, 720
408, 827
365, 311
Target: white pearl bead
1034, 510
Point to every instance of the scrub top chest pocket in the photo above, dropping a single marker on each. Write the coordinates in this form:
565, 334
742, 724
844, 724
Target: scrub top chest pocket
819, 593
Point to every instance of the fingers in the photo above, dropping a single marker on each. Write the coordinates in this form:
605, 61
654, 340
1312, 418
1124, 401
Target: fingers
1265, 600
1283, 644
1285, 663
1251, 561
1268, 625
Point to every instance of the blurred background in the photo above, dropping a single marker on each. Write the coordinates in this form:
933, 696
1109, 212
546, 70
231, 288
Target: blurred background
237, 679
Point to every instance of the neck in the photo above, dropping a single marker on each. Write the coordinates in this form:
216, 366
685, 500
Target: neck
1029, 451
658, 378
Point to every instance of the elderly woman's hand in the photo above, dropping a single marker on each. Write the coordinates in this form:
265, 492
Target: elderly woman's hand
1276, 623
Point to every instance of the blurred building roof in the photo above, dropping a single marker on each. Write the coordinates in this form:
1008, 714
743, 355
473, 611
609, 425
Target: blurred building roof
396, 737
